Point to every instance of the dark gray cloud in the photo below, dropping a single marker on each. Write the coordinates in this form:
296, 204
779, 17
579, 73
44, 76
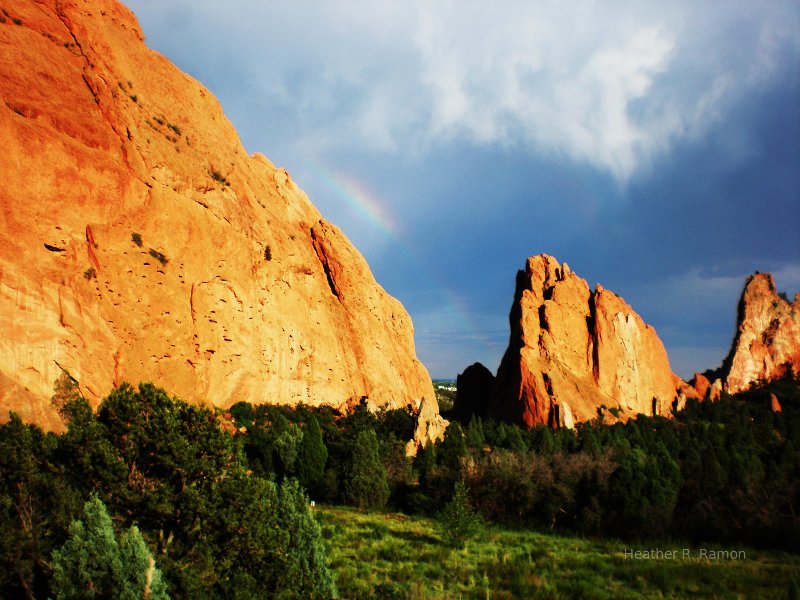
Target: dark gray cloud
655, 147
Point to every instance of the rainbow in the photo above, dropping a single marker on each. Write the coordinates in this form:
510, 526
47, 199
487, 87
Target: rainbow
359, 198
374, 210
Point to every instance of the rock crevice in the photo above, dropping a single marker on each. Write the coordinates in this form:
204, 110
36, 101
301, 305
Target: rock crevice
127, 157
574, 354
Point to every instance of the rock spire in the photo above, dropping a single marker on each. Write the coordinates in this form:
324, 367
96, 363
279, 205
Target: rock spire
576, 354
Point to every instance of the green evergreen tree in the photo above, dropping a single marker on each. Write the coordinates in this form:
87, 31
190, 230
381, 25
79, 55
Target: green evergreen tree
588, 441
245, 522
499, 434
514, 441
243, 414
458, 521
140, 576
365, 483
305, 573
279, 422
287, 445
452, 448
273, 544
91, 564
542, 440
88, 565
34, 503
311, 457
424, 462
474, 436
91, 462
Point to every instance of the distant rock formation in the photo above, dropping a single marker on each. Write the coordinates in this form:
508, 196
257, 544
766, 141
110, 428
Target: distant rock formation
576, 354
139, 241
767, 341
473, 388
704, 388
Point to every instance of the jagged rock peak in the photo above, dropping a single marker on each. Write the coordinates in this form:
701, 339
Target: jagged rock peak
767, 341
139, 241
576, 354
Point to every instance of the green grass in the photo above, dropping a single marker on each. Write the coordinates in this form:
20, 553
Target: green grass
383, 555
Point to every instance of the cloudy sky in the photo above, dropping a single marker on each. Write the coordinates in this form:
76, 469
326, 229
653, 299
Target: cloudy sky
654, 146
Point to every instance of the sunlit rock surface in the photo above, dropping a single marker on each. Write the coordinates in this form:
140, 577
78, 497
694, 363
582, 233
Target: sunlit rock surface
577, 354
139, 241
767, 341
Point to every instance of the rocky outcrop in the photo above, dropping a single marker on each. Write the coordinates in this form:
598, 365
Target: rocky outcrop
767, 341
430, 426
706, 389
473, 388
139, 241
575, 354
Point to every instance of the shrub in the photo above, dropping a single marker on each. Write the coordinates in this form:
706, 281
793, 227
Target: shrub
159, 256
219, 177
65, 390
136, 238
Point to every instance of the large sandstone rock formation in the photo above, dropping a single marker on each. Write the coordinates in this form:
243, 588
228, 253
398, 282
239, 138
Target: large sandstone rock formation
139, 241
767, 341
576, 354
473, 388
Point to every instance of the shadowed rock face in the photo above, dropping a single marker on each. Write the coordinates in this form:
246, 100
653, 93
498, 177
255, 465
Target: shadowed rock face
139, 241
575, 354
473, 388
767, 341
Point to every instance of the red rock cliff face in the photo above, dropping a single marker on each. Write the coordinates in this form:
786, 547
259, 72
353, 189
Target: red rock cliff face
139, 241
767, 341
573, 351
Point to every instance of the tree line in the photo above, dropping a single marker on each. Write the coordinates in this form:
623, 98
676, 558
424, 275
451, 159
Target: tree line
176, 487
221, 503
725, 471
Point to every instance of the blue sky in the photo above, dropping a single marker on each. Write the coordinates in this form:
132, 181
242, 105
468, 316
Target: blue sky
655, 147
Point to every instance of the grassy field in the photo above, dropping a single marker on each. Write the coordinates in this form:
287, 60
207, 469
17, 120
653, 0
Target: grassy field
385, 555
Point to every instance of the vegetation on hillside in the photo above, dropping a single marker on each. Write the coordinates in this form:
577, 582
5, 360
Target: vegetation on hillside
391, 555
221, 501
445, 391
164, 469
